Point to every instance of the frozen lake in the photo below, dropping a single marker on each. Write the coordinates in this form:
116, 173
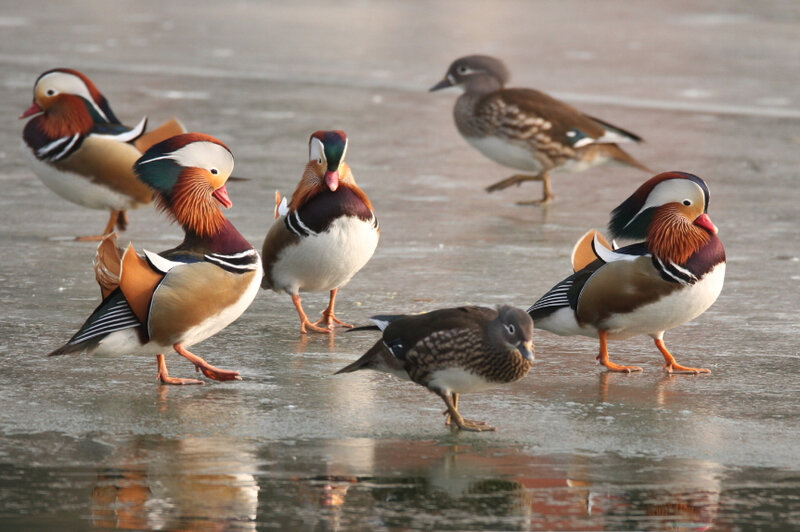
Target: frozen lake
96, 442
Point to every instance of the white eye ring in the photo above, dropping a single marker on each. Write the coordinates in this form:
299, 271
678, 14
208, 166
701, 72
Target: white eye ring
50, 92
687, 202
214, 171
510, 328
462, 69
319, 161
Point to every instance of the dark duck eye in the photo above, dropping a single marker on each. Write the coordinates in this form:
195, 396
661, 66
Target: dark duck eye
214, 171
687, 202
50, 92
510, 328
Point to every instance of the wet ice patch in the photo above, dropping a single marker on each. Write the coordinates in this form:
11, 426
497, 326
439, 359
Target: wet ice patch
177, 95
88, 48
775, 100
275, 115
579, 55
436, 181
427, 199
713, 19
13, 22
696, 94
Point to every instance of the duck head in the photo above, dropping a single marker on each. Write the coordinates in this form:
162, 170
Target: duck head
68, 97
188, 172
475, 74
326, 168
669, 211
513, 328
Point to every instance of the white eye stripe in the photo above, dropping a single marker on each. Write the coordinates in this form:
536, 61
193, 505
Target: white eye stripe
316, 150
69, 84
201, 154
669, 191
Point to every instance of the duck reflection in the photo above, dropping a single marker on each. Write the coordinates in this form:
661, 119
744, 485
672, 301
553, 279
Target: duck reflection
190, 483
119, 499
397, 484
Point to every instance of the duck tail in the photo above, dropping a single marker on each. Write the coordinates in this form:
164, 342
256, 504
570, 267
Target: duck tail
367, 361
621, 156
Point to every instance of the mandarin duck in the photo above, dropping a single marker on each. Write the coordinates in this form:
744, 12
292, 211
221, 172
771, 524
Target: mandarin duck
324, 235
670, 277
157, 302
453, 351
526, 129
81, 151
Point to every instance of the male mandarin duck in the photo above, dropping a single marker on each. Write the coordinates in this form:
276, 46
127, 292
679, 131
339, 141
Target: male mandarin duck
526, 129
452, 351
81, 151
156, 302
669, 278
324, 235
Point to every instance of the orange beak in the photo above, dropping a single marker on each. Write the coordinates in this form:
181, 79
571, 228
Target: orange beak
332, 180
32, 110
221, 195
705, 222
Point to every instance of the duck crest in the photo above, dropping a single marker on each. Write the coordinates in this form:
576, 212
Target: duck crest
184, 193
335, 145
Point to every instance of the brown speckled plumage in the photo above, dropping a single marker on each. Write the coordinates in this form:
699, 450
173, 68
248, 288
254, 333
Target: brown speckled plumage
452, 351
526, 129
469, 349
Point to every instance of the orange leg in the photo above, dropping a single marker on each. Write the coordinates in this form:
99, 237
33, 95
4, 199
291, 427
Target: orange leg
208, 370
304, 322
671, 365
122, 220
603, 356
327, 315
163, 374
117, 219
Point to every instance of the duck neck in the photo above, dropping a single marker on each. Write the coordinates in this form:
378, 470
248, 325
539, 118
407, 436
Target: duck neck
672, 236
481, 84
65, 120
225, 241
